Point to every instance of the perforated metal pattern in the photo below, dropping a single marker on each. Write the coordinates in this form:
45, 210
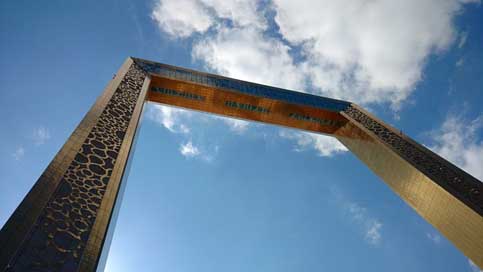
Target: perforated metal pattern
58, 239
461, 185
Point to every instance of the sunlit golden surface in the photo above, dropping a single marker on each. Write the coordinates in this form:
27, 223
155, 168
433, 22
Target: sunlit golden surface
455, 220
65, 220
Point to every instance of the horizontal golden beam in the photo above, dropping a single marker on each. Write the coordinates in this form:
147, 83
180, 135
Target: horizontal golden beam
413, 172
65, 221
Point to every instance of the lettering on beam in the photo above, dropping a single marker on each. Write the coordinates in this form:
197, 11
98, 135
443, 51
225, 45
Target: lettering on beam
248, 107
171, 92
320, 121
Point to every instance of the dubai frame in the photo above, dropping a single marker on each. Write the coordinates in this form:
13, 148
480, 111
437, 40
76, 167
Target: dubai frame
63, 222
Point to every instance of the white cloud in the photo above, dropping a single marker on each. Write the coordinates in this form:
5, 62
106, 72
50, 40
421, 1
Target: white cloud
235, 125
206, 154
463, 38
177, 120
373, 234
209, 155
460, 62
245, 53
171, 118
457, 141
181, 18
367, 51
434, 237
241, 12
189, 150
40, 135
347, 51
473, 266
371, 226
326, 146
19, 153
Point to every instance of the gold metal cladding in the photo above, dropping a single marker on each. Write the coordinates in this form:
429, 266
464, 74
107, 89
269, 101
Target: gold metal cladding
219, 101
18, 226
98, 236
456, 221
69, 231
63, 222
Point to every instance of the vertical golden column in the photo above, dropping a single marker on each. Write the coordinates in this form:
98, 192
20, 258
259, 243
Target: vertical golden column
444, 195
61, 224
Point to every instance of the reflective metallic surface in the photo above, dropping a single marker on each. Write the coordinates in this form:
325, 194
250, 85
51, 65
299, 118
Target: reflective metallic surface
241, 87
63, 222
229, 103
453, 218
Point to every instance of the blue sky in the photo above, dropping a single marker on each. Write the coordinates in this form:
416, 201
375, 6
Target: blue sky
211, 194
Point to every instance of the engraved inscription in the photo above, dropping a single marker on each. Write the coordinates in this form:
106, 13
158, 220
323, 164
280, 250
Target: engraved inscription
307, 118
171, 92
244, 87
247, 107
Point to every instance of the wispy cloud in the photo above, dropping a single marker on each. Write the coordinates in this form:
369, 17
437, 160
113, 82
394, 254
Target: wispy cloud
460, 62
177, 120
40, 135
210, 154
457, 140
434, 237
473, 266
235, 125
462, 41
173, 119
325, 146
19, 153
189, 150
370, 226
373, 234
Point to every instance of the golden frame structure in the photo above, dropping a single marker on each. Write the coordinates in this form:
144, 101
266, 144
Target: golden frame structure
63, 222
